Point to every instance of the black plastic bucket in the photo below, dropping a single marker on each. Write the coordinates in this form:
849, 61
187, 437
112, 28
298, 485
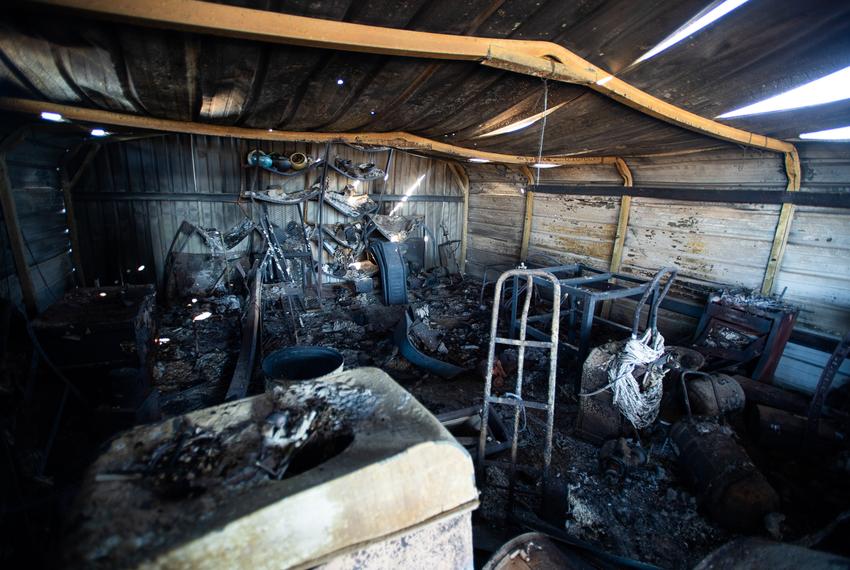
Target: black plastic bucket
302, 363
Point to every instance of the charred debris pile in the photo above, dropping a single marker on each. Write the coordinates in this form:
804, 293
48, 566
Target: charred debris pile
723, 454
584, 422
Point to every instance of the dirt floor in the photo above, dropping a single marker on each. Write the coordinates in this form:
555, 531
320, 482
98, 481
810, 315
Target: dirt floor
651, 514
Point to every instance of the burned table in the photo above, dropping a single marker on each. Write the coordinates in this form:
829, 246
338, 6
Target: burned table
582, 289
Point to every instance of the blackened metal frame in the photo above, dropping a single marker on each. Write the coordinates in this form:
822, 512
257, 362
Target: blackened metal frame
582, 293
530, 276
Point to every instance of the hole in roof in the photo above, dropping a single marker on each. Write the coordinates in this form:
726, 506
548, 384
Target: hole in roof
827, 89
522, 124
837, 134
706, 17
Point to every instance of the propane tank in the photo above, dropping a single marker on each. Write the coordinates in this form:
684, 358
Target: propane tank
729, 485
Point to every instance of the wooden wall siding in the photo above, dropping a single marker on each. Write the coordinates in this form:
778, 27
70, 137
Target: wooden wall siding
707, 242
584, 175
496, 211
718, 169
34, 179
800, 368
121, 235
816, 267
826, 167
569, 229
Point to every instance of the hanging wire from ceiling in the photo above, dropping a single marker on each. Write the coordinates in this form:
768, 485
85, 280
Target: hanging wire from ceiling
542, 129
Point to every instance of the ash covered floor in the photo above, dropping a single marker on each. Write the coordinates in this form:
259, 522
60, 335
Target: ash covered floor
651, 514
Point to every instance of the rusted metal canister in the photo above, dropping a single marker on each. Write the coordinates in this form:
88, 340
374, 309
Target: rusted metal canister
729, 486
714, 394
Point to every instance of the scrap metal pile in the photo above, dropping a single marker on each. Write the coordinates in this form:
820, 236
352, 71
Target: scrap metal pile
302, 250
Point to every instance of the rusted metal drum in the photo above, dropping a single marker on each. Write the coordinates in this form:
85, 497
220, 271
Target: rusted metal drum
714, 394
729, 485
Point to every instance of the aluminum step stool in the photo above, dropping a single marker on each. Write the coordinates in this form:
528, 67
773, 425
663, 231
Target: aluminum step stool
517, 402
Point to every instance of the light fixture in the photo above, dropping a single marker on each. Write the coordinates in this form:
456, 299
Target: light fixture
162, 340
837, 134
271, 130
707, 16
544, 165
194, 300
371, 112
55, 117
527, 122
203, 316
339, 81
101, 294
99, 133
827, 89
479, 160
140, 268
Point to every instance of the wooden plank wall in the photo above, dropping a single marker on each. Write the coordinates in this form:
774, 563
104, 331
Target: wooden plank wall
496, 210
710, 243
34, 178
118, 234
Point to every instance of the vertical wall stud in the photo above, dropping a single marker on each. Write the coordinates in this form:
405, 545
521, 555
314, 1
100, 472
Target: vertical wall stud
623, 218
783, 226
463, 181
528, 217
622, 228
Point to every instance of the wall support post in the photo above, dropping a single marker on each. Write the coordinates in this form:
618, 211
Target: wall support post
622, 228
783, 226
463, 181
528, 217
623, 217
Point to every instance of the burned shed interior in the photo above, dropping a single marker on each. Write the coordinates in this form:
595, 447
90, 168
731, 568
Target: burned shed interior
425, 284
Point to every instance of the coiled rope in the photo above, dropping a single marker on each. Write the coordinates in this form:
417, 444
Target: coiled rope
638, 400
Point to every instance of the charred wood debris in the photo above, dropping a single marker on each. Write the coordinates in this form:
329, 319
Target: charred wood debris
729, 454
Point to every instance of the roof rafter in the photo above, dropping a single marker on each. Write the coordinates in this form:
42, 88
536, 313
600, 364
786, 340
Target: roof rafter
397, 139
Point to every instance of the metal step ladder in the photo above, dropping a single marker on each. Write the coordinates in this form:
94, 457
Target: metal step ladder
516, 400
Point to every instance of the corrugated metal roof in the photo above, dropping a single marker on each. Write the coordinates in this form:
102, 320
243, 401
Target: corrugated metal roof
757, 50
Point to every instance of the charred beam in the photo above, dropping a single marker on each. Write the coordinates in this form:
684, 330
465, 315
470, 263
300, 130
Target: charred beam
820, 199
